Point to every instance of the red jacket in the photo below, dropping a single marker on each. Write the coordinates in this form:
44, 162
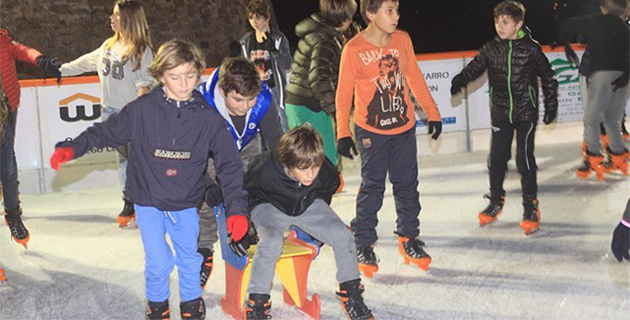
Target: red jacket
9, 52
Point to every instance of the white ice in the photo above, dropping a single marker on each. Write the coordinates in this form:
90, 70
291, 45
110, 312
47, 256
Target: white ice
79, 265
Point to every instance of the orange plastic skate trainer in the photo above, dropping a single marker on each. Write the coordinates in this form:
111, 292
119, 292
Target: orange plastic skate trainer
422, 263
368, 270
531, 226
127, 222
24, 241
485, 219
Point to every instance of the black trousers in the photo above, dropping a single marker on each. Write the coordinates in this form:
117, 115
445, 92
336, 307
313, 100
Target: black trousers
501, 152
395, 155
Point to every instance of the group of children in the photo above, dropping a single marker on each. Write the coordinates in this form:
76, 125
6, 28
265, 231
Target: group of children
231, 128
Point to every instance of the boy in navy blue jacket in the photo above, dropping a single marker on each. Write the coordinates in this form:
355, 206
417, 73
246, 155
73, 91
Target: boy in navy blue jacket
173, 131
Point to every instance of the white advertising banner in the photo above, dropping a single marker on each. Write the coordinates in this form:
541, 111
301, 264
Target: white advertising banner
27, 140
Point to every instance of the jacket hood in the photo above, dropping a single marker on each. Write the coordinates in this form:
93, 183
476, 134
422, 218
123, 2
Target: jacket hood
523, 33
313, 23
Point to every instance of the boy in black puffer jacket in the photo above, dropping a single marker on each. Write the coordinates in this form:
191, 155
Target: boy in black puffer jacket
514, 62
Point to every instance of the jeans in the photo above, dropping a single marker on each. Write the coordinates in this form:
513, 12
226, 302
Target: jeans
8, 166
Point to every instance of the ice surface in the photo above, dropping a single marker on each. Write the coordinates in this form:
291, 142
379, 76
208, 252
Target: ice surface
79, 265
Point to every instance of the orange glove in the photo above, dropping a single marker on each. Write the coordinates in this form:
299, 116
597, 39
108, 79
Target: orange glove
237, 226
61, 155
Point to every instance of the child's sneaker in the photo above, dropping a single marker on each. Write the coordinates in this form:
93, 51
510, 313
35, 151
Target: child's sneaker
258, 307
493, 210
351, 294
531, 215
368, 262
206, 265
127, 217
19, 233
193, 309
411, 250
3, 278
158, 310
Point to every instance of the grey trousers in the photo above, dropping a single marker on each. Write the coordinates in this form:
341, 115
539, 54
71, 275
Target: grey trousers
320, 221
604, 105
207, 222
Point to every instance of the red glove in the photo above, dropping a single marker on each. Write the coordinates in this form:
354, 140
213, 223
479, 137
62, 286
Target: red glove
237, 226
61, 155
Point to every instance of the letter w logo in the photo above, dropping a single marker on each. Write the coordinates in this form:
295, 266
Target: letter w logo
64, 110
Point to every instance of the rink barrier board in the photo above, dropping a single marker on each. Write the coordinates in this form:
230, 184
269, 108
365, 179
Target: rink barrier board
66, 109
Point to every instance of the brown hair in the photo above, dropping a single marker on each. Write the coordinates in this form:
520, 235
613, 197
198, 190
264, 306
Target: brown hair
240, 75
134, 31
302, 147
371, 6
174, 53
510, 8
616, 7
336, 12
260, 8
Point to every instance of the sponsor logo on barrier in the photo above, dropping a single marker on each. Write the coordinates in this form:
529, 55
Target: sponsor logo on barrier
80, 102
445, 120
565, 72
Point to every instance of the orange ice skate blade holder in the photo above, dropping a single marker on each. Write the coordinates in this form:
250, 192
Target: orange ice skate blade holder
368, 270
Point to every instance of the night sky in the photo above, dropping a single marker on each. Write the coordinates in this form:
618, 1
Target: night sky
451, 25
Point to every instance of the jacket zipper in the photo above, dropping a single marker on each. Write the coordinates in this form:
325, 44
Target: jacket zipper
509, 80
531, 96
491, 104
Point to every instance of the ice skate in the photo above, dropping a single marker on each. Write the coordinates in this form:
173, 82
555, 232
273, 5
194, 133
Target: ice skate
19, 233
617, 162
3, 278
158, 310
412, 251
194, 309
351, 295
258, 307
592, 163
531, 215
368, 262
493, 210
206, 265
127, 217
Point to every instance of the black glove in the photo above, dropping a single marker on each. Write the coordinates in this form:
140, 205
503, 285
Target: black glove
571, 55
550, 115
456, 85
620, 82
437, 127
50, 67
621, 242
344, 145
213, 196
240, 247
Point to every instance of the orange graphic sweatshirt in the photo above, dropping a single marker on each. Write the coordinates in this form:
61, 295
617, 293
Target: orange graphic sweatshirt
379, 79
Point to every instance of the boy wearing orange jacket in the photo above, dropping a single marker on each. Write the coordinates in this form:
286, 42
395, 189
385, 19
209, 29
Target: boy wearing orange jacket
378, 68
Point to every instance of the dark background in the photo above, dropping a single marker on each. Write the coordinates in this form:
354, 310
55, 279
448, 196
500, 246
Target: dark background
451, 25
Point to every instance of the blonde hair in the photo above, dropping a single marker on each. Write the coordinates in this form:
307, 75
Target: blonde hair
134, 31
174, 53
301, 148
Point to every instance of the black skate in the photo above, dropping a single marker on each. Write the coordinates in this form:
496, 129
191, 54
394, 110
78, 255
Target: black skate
258, 307
531, 215
412, 251
127, 217
493, 210
158, 310
206, 265
194, 309
351, 294
368, 262
19, 233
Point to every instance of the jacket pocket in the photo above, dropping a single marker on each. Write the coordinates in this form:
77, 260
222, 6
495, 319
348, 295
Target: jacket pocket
532, 96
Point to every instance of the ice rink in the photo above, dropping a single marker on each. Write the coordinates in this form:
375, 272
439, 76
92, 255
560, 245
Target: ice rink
79, 265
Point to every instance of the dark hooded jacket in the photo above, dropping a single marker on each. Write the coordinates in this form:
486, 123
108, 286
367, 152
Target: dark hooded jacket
514, 67
315, 66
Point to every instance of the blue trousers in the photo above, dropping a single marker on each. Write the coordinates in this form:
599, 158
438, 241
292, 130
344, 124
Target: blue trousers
183, 229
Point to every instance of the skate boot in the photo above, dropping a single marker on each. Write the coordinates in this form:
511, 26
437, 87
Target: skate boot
493, 210
19, 233
258, 307
3, 278
351, 295
127, 217
412, 251
531, 215
158, 310
617, 161
193, 309
593, 162
206, 265
368, 262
